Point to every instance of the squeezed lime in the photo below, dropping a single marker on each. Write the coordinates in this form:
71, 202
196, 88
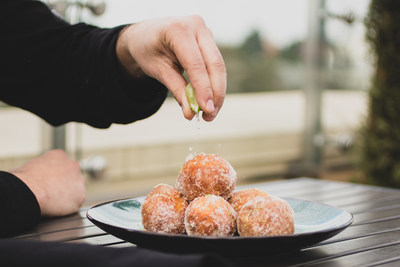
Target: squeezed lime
191, 97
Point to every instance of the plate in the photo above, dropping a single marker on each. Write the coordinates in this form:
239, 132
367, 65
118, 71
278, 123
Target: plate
314, 222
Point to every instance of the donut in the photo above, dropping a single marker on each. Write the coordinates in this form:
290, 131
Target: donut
163, 210
266, 216
210, 215
206, 174
241, 197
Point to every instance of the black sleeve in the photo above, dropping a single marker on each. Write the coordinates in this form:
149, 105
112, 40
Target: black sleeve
33, 253
18, 205
64, 72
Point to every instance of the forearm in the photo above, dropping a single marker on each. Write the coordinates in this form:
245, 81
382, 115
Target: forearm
128, 64
65, 72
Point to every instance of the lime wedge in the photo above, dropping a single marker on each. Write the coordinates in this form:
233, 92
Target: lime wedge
192, 98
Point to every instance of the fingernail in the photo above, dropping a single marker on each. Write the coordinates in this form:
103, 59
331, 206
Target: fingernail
210, 106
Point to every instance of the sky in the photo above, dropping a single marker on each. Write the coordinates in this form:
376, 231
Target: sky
280, 22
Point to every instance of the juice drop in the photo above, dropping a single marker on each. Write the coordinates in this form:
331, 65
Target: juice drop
192, 149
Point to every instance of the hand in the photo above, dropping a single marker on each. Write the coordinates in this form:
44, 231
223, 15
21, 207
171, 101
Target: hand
163, 48
56, 181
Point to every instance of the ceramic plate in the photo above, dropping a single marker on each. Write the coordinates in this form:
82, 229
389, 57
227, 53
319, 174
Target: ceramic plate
314, 222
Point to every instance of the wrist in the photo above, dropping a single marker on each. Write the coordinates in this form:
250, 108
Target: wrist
37, 191
128, 64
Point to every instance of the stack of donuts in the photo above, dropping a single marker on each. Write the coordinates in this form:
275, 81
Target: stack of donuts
204, 203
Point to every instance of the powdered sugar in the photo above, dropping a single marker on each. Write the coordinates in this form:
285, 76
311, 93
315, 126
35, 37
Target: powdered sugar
163, 210
266, 216
207, 181
210, 216
206, 174
241, 197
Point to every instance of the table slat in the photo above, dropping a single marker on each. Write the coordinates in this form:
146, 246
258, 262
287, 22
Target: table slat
101, 240
369, 257
67, 235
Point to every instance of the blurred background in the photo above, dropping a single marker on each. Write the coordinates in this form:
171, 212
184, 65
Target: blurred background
298, 78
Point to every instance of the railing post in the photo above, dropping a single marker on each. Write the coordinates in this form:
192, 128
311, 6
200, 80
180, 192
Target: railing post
315, 62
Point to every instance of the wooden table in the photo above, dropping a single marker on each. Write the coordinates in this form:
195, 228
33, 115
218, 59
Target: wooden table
373, 238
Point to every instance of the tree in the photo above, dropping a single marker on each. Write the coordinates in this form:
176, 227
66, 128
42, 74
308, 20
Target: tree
381, 135
262, 72
253, 45
250, 68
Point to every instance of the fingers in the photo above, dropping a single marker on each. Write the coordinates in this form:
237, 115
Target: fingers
198, 54
162, 48
189, 56
176, 83
215, 68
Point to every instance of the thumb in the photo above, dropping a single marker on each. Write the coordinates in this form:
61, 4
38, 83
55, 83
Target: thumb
176, 84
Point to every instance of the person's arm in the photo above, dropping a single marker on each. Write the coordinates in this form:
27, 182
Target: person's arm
19, 207
65, 72
56, 181
49, 185
70, 69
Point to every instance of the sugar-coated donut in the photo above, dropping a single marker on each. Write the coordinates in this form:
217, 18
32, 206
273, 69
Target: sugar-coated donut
266, 216
206, 174
241, 197
163, 210
210, 215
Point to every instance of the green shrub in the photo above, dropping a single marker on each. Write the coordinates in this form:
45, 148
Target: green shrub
380, 161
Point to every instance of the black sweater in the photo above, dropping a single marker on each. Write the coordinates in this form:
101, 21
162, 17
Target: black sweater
62, 73
65, 73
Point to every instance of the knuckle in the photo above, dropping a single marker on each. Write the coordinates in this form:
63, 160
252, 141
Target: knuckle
196, 65
180, 26
198, 20
186, 25
57, 153
218, 64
